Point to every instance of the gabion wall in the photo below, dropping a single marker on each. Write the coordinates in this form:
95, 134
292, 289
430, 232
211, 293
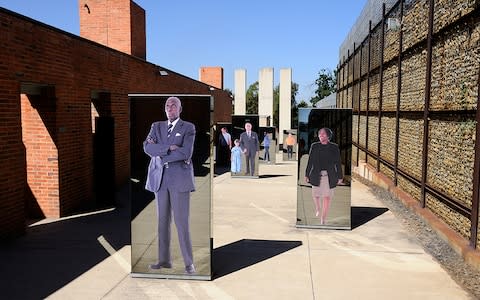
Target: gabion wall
445, 164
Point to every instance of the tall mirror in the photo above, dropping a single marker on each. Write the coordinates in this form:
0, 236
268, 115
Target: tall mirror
171, 180
246, 146
324, 168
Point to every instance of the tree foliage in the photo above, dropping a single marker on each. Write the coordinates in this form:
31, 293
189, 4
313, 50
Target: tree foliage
252, 99
326, 84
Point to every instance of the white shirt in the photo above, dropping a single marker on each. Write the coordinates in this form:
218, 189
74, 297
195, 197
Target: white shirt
173, 123
227, 137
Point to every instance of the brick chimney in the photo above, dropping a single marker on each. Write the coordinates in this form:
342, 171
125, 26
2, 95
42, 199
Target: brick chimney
118, 24
212, 76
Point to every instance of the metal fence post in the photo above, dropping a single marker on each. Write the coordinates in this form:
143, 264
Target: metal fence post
476, 177
368, 83
426, 111
399, 90
360, 86
353, 75
380, 100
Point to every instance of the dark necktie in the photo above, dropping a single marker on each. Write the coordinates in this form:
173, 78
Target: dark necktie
169, 129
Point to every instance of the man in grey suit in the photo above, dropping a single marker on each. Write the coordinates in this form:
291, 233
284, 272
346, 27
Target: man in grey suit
172, 141
250, 147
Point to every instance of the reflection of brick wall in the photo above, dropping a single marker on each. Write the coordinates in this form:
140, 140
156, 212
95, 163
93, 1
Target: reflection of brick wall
75, 68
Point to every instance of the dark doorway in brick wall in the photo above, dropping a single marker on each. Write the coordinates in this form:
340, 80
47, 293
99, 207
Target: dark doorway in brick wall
103, 133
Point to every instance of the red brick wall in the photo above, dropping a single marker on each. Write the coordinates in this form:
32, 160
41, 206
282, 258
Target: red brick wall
39, 139
139, 43
119, 24
12, 160
93, 20
212, 76
74, 68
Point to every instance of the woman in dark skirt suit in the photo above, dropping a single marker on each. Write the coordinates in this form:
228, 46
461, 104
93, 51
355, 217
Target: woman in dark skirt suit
324, 172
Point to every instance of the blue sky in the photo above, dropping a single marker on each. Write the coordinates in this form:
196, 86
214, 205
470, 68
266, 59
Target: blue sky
304, 35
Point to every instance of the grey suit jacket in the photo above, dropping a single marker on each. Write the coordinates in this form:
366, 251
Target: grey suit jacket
180, 160
250, 143
154, 175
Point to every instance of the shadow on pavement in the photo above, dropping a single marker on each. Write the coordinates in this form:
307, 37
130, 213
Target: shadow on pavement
51, 255
244, 253
219, 170
272, 175
362, 215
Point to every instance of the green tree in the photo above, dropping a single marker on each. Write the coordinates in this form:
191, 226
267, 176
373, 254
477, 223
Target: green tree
252, 98
326, 84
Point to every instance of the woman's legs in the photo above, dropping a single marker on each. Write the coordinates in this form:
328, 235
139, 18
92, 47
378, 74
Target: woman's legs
316, 201
325, 208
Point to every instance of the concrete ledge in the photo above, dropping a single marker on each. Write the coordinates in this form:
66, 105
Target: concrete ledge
454, 239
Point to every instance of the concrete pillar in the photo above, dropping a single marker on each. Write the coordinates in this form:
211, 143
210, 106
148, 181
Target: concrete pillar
240, 91
285, 104
265, 96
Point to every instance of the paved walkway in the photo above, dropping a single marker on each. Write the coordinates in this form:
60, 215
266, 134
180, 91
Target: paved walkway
259, 253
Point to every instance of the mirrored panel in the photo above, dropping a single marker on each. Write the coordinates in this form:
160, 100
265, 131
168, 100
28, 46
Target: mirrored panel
246, 146
268, 145
171, 179
223, 146
289, 148
324, 168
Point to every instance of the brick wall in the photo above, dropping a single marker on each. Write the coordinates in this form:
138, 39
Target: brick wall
138, 38
39, 135
12, 156
74, 70
212, 76
119, 24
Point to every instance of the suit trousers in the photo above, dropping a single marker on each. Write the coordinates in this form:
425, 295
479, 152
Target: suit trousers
178, 203
250, 163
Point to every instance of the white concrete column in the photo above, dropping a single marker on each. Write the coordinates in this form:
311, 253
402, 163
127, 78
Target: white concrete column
265, 95
284, 114
240, 93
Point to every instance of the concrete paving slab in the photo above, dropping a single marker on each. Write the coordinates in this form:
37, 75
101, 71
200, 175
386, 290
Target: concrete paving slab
259, 252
